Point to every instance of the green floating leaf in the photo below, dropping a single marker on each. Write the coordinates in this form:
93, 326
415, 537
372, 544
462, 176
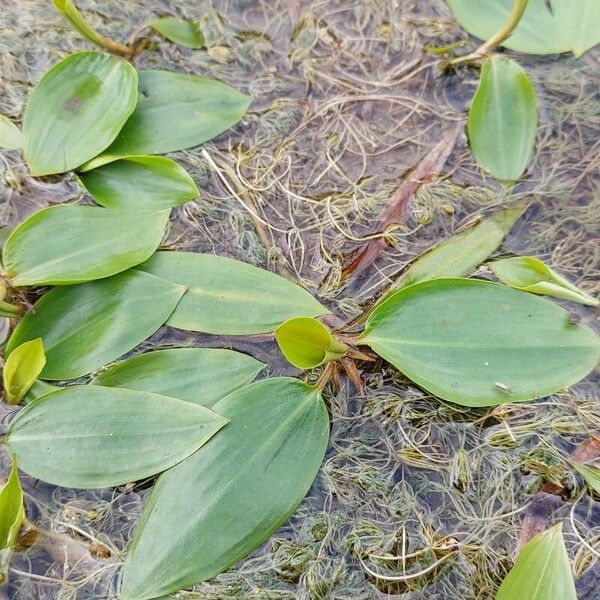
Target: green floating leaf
478, 343
10, 135
590, 473
532, 275
198, 375
77, 110
307, 343
84, 327
541, 571
175, 112
184, 32
503, 119
99, 243
461, 254
218, 505
87, 436
22, 368
544, 28
12, 512
146, 182
229, 297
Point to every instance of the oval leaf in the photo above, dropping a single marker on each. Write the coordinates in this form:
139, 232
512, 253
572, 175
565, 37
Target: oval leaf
12, 512
214, 508
544, 28
77, 110
184, 32
10, 135
532, 275
462, 253
478, 343
307, 343
175, 112
541, 571
22, 368
229, 297
151, 182
99, 243
198, 375
503, 119
84, 327
87, 436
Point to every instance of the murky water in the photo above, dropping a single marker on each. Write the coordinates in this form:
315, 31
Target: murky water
347, 102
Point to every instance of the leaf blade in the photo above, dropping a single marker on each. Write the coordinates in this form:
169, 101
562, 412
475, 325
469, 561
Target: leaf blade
104, 321
22, 368
12, 511
478, 343
11, 137
220, 289
198, 375
184, 32
121, 435
272, 423
76, 111
503, 118
101, 243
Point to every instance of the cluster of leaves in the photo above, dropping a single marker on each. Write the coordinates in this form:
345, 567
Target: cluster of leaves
194, 416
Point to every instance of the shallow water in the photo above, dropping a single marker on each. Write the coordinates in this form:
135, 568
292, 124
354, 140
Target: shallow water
346, 103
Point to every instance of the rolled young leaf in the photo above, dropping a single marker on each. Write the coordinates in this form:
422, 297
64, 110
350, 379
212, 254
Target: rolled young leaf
461, 254
146, 182
541, 571
590, 473
99, 243
84, 327
77, 110
544, 28
532, 275
503, 119
22, 368
184, 32
87, 436
174, 112
218, 505
307, 343
12, 512
199, 375
229, 297
10, 135
478, 343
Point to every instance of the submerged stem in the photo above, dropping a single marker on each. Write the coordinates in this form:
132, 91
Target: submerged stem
496, 40
70, 11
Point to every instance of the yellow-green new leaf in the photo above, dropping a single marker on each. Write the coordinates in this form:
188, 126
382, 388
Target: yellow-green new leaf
532, 275
88, 436
22, 368
146, 182
478, 343
541, 571
10, 135
77, 110
214, 508
68, 244
174, 112
12, 512
184, 32
229, 297
503, 119
307, 343
461, 254
86, 326
545, 27
199, 375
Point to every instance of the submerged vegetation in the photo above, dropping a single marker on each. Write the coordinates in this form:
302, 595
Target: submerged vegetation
235, 459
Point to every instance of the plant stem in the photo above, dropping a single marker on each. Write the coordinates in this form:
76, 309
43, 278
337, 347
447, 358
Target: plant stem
70, 11
496, 40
